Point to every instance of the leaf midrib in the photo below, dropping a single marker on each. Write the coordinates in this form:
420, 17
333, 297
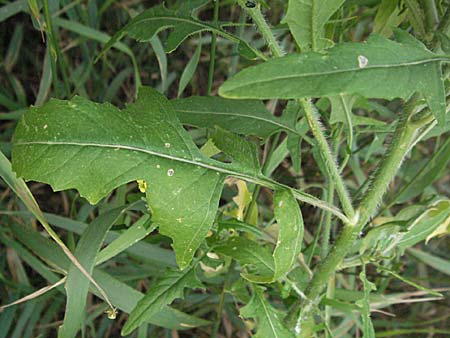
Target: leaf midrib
283, 126
261, 180
269, 318
347, 70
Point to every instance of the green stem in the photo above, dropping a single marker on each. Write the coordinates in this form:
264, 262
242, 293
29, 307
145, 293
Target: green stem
328, 158
212, 56
403, 136
266, 32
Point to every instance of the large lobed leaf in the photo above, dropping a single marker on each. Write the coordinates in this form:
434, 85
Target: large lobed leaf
378, 68
96, 148
147, 24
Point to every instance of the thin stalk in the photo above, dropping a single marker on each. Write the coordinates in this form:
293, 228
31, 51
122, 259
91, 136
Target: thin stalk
328, 158
55, 51
226, 285
212, 56
261, 24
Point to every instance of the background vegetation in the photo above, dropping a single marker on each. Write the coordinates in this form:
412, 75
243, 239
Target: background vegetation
47, 50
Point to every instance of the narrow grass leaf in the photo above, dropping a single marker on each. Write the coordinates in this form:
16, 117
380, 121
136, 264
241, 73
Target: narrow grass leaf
122, 296
12, 8
77, 285
431, 171
21, 189
437, 263
190, 68
135, 233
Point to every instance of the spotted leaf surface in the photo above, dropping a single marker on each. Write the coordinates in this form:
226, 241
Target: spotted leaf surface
378, 68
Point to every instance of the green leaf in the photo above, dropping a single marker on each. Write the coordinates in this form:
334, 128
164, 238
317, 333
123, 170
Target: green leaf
383, 238
96, 148
419, 228
147, 24
136, 232
190, 68
306, 20
243, 152
170, 287
246, 117
290, 232
379, 68
270, 320
249, 254
77, 285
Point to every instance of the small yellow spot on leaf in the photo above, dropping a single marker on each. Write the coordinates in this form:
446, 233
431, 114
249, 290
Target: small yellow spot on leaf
142, 185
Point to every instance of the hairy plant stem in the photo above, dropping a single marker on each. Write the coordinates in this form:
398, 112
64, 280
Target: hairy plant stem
328, 158
403, 136
266, 32
212, 56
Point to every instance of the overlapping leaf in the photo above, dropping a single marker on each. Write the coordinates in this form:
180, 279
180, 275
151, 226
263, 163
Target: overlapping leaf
379, 68
246, 117
144, 26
